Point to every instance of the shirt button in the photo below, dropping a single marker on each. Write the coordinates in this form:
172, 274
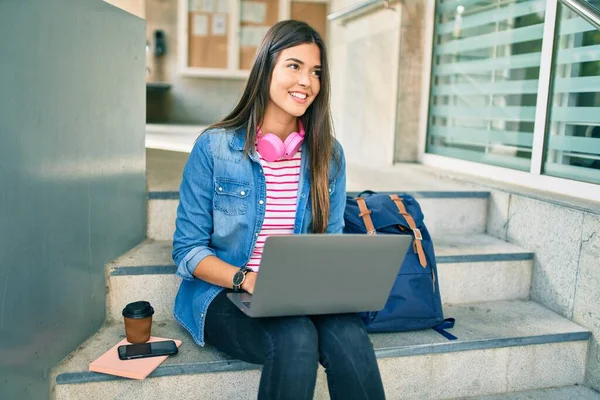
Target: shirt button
243, 193
329, 190
256, 234
202, 315
220, 189
261, 171
260, 202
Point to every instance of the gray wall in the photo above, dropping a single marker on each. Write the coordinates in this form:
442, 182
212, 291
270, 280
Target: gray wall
72, 175
378, 68
566, 242
364, 70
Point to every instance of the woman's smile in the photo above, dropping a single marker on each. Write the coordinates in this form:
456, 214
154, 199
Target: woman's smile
299, 97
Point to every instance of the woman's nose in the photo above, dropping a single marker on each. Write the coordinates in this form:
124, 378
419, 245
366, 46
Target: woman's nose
304, 80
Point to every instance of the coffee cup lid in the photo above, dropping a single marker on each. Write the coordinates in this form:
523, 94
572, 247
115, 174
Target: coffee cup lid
138, 309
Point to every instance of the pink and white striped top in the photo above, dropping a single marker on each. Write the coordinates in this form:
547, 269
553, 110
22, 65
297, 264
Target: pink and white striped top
282, 178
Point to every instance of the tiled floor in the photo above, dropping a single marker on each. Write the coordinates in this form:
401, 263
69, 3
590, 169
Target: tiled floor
165, 168
168, 147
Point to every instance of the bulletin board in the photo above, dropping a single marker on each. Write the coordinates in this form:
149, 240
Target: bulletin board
314, 14
256, 17
208, 32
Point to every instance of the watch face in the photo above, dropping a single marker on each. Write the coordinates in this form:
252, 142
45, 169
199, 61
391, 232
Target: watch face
238, 278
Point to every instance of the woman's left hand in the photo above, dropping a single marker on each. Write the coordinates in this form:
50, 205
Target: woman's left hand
249, 282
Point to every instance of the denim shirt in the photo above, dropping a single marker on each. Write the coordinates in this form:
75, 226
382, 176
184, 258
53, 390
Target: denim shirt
221, 211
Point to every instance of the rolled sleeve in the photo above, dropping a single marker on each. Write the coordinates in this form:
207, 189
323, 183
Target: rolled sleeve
194, 223
338, 198
186, 267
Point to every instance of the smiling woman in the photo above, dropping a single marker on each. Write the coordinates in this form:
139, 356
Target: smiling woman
295, 80
271, 167
291, 62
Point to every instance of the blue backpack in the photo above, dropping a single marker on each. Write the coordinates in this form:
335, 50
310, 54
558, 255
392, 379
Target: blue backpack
414, 302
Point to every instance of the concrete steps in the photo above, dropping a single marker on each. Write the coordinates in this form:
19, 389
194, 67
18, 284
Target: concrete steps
561, 393
507, 347
503, 346
471, 268
458, 212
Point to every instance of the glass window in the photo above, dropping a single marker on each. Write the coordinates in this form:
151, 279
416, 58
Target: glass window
573, 135
486, 61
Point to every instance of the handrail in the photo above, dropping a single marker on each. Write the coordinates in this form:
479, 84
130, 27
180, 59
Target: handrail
357, 8
585, 10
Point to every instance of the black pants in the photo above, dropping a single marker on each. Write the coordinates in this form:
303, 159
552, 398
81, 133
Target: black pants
290, 349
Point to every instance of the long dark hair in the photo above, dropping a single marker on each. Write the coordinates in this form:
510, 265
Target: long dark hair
319, 138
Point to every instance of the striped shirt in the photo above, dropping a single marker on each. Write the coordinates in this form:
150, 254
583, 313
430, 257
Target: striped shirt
282, 178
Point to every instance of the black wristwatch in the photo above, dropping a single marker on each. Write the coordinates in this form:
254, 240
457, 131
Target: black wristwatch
239, 278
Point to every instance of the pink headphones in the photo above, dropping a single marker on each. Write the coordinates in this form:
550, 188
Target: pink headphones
271, 148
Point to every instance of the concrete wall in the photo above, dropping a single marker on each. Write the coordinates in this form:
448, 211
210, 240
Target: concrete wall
364, 69
198, 101
72, 172
566, 242
412, 70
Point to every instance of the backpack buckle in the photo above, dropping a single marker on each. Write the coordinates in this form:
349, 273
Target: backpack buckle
371, 232
417, 233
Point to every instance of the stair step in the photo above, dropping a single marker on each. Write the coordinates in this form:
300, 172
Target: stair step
562, 393
458, 212
503, 346
471, 268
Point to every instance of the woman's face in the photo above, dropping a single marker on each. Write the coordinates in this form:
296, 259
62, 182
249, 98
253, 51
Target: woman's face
295, 82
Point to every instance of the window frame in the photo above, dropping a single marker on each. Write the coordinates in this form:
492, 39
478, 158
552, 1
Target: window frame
534, 178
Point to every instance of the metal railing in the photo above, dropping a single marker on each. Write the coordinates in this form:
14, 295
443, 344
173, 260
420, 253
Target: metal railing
585, 10
355, 10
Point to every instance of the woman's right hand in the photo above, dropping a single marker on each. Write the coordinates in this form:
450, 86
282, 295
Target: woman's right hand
249, 282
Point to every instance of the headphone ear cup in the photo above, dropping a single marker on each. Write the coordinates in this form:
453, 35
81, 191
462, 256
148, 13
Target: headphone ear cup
270, 147
292, 144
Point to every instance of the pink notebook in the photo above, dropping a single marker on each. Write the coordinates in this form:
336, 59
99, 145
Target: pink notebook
109, 362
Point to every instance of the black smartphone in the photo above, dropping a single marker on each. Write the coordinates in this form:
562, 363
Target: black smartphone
142, 350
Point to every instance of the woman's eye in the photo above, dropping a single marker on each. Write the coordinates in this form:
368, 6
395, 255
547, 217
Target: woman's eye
317, 73
294, 66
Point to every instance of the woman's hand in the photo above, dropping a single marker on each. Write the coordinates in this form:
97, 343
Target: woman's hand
249, 282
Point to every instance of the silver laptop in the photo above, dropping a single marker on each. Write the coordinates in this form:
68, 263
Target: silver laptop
324, 274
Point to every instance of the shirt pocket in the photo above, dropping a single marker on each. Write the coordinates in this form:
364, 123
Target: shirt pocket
231, 197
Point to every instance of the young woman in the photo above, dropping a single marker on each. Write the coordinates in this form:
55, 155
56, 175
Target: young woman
272, 166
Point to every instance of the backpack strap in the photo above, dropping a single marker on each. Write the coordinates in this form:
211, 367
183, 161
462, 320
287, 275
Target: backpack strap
365, 214
413, 226
448, 323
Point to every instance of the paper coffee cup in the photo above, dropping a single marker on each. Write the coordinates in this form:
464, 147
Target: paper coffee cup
138, 321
